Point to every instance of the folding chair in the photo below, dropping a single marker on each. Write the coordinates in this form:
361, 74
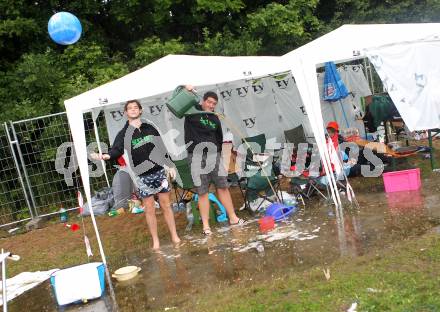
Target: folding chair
295, 135
259, 184
307, 186
259, 140
183, 184
183, 188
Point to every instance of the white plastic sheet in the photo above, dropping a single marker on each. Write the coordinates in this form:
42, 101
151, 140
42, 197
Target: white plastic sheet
410, 71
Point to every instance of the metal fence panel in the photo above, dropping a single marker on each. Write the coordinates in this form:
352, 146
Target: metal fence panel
38, 140
13, 201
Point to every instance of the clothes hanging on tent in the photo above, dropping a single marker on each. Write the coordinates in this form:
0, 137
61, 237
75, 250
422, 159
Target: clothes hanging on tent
334, 87
381, 109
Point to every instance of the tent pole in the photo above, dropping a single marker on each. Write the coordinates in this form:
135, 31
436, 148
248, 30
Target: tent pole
4, 298
371, 77
98, 141
319, 136
343, 113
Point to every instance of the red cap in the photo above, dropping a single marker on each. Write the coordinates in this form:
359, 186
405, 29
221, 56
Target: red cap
334, 125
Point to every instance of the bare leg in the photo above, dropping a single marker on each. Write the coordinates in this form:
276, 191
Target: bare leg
150, 215
204, 210
225, 198
164, 201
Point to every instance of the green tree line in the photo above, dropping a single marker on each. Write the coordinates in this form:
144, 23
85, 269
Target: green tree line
120, 36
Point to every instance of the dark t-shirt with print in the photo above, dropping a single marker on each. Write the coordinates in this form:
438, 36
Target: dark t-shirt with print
203, 127
140, 144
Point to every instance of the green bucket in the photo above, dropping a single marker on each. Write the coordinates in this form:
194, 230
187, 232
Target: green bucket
196, 212
183, 102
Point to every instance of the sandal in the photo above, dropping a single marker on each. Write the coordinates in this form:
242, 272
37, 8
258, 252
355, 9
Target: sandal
239, 222
207, 232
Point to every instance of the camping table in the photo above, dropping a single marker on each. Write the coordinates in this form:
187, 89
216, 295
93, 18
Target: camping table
385, 149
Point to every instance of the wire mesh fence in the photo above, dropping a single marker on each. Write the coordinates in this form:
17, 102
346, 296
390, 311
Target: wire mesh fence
13, 205
45, 159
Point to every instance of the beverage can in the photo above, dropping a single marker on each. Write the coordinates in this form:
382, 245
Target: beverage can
63, 215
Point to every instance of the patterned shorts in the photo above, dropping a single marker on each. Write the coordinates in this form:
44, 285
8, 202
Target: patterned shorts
154, 183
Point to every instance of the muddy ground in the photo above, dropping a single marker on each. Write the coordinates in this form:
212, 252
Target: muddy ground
189, 277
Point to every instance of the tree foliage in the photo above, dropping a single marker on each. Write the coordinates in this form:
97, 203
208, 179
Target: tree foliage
119, 36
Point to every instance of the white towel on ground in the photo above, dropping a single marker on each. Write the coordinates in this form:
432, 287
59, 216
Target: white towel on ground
22, 282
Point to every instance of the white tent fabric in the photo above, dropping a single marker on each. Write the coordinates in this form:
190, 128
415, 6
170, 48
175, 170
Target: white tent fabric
170, 71
349, 42
158, 78
411, 74
266, 105
345, 43
357, 84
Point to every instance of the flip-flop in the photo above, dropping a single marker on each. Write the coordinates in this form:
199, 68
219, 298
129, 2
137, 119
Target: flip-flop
179, 244
207, 232
239, 222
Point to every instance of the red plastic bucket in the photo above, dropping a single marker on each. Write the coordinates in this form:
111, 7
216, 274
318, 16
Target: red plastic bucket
266, 224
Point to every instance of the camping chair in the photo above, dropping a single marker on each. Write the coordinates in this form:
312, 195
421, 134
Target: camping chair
307, 186
259, 140
258, 185
183, 186
295, 135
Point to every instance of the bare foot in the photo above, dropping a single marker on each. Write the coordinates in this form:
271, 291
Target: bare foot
233, 220
176, 240
156, 246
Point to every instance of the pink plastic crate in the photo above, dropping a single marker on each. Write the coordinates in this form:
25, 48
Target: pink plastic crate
405, 180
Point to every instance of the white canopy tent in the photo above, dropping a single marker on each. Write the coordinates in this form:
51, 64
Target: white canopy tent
345, 43
157, 78
410, 71
348, 42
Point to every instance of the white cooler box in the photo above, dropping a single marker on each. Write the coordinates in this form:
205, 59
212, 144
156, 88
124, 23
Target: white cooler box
79, 283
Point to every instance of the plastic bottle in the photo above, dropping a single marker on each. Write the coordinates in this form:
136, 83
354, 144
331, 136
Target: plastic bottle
175, 207
260, 249
113, 213
63, 215
182, 206
189, 217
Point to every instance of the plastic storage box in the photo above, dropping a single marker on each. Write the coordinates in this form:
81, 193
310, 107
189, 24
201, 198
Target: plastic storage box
405, 180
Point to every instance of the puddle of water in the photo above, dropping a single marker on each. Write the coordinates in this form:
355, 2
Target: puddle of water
233, 255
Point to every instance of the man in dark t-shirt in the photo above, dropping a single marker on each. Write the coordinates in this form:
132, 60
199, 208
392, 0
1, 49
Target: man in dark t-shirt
201, 130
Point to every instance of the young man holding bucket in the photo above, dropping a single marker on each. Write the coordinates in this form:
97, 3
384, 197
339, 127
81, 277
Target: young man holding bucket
204, 135
147, 152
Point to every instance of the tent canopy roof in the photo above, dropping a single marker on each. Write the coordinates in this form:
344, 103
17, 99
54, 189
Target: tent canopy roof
349, 41
170, 71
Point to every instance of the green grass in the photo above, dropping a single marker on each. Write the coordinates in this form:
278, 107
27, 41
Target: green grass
403, 278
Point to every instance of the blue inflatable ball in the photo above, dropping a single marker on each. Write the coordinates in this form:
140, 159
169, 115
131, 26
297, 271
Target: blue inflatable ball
64, 28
